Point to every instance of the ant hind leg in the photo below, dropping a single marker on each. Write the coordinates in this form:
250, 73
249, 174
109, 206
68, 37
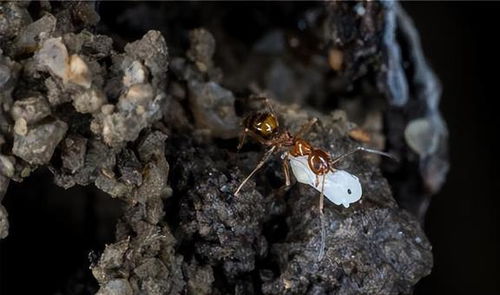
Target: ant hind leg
322, 244
306, 128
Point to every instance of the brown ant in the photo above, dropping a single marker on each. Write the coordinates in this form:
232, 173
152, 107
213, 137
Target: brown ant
264, 128
307, 162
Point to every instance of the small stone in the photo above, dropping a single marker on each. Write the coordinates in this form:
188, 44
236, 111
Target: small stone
31, 109
116, 287
7, 165
360, 135
40, 142
138, 94
213, 109
118, 128
4, 75
129, 167
73, 151
110, 185
78, 72
422, 137
200, 279
4, 222
21, 127
54, 56
151, 145
63, 180
154, 183
55, 93
136, 73
114, 254
14, 18
85, 13
107, 109
202, 47
153, 52
135, 110
335, 59
89, 101
27, 39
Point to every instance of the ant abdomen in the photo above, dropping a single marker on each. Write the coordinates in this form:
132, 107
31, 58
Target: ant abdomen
319, 162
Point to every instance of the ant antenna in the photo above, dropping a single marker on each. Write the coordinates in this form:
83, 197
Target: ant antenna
243, 136
363, 149
265, 100
306, 127
259, 165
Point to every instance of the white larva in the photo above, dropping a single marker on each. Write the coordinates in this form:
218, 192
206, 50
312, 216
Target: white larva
340, 186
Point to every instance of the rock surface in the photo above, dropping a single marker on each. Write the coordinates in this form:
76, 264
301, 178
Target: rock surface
154, 122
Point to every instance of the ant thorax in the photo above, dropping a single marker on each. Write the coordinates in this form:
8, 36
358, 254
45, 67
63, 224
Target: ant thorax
300, 148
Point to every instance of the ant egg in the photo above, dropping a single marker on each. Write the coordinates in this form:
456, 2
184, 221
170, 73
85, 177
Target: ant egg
341, 187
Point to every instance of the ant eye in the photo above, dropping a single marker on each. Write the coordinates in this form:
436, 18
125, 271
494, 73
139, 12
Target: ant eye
349, 191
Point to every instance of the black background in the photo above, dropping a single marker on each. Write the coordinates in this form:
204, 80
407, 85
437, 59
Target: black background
48, 243
460, 41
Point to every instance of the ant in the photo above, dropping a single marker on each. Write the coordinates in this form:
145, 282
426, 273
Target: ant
308, 163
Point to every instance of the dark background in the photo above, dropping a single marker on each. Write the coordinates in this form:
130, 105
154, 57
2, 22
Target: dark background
461, 43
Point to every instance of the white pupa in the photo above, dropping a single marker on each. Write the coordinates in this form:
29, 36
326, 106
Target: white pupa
340, 186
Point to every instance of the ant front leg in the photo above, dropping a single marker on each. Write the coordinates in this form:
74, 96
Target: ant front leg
262, 98
243, 136
269, 106
255, 136
266, 101
259, 165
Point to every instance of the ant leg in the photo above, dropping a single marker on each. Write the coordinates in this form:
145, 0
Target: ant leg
360, 148
306, 127
322, 222
265, 100
269, 106
286, 170
259, 138
243, 136
322, 194
261, 163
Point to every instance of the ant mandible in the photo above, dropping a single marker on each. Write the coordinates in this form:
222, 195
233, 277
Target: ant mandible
308, 164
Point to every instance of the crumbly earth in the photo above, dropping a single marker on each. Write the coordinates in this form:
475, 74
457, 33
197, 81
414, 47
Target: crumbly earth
155, 124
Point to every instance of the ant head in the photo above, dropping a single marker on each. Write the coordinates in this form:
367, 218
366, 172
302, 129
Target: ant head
300, 148
264, 124
319, 162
